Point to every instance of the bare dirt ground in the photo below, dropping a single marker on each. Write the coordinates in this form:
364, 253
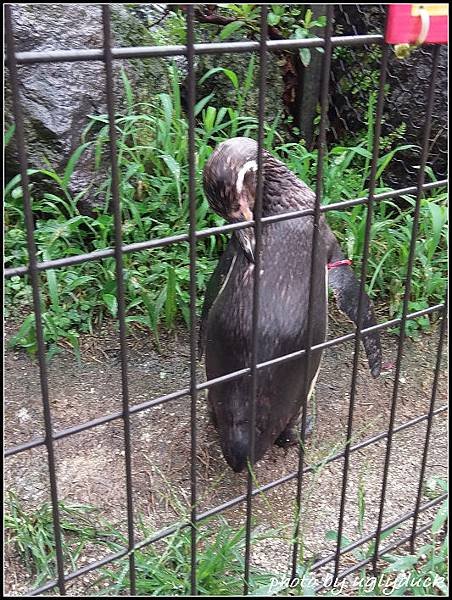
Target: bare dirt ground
90, 464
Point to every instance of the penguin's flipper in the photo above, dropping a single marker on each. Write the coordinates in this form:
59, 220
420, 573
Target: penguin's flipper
346, 287
213, 288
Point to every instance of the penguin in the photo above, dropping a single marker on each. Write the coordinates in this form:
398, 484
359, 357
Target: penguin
225, 335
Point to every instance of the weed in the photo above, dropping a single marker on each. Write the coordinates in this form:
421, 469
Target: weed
421, 574
347, 173
152, 158
162, 569
165, 571
31, 534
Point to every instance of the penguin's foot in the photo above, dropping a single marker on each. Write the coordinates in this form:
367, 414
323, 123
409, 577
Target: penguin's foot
291, 435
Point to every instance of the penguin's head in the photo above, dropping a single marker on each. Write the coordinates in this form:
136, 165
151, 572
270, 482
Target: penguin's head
230, 179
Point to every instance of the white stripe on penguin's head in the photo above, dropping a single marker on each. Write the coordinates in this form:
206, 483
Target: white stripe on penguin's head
251, 165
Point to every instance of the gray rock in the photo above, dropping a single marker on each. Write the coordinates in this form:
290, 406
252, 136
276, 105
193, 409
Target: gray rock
57, 98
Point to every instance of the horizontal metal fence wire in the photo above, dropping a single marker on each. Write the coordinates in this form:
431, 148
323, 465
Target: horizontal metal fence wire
107, 55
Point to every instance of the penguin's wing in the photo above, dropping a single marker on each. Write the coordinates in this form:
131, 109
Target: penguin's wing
213, 288
345, 286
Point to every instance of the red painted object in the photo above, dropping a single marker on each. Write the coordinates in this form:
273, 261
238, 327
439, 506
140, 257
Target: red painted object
405, 23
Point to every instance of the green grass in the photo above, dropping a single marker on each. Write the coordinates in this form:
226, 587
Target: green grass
400, 573
163, 568
346, 176
165, 571
31, 535
152, 157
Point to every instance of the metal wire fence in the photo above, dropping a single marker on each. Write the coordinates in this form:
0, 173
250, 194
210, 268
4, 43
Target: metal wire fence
108, 55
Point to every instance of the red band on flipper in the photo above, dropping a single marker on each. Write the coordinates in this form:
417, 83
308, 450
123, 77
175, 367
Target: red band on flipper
339, 263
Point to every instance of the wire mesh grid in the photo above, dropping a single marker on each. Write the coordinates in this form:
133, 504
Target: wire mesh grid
329, 43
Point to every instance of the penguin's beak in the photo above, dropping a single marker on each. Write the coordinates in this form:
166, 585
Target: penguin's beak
246, 236
247, 242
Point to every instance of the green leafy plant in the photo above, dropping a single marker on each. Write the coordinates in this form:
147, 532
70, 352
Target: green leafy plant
30, 532
162, 569
165, 571
346, 176
291, 22
293, 25
424, 573
152, 159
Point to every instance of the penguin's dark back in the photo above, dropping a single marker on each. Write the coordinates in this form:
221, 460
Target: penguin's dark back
284, 297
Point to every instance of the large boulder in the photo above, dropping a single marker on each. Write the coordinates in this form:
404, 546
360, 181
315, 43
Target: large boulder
57, 98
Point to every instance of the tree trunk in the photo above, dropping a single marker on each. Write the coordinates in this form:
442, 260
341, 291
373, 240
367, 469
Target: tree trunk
309, 87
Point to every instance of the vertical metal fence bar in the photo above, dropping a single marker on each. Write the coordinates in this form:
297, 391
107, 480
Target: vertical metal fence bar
406, 298
360, 315
256, 289
192, 241
429, 426
35, 284
120, 286
324, 99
